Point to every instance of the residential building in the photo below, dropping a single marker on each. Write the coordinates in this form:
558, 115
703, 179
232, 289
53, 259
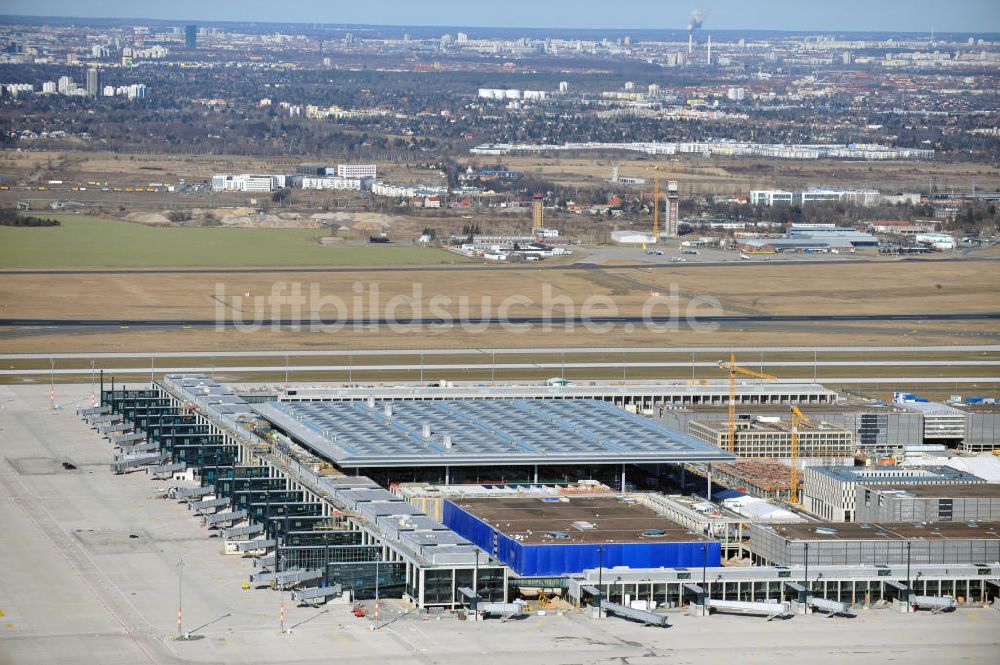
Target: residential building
357, 170
332, 182
93, 82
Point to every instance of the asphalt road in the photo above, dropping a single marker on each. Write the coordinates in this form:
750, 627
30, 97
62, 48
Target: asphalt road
510, 320
681, 350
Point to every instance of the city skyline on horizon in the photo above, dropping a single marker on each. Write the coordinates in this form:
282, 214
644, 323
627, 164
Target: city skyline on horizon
914, 16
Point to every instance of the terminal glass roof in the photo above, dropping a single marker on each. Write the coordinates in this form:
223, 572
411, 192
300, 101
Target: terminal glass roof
477, 432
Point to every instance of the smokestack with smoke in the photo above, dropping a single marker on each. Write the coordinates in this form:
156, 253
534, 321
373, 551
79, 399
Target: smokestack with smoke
696, 20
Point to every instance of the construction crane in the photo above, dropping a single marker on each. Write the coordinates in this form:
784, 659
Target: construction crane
656, 204
798, 418
538, 211
733, 370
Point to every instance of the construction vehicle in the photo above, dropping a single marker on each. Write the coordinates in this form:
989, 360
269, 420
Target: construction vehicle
733, 370
359, 611
798, 418
544, 599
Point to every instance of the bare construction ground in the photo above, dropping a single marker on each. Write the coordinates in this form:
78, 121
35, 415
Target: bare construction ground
91, 575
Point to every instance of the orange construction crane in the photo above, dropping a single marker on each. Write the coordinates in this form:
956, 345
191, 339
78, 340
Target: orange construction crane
656, 204
733, 370
798, 418
538, 211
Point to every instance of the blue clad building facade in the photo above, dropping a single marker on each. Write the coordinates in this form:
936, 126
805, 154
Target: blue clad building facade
546, 559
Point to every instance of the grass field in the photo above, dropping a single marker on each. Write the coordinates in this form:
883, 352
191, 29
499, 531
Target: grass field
90, 241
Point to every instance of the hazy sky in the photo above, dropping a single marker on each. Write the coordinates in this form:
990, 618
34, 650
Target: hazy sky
881, 15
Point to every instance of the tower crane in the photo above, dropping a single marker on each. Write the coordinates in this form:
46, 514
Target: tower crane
656, 204
798, 418
733, 370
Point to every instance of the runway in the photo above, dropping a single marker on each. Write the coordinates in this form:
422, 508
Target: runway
466, 267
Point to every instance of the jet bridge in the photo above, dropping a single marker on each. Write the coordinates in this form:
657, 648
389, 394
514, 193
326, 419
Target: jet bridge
123, 464
936, 604
104, 419
321, 593
643, 616
504, 610
266, 561
94, 410
772, 610
207, 504
166, 469
251, 545
245, 530
147, 447
189, 493
114, 428
119, 440
831, 607
703, 605
222, 518
287, 577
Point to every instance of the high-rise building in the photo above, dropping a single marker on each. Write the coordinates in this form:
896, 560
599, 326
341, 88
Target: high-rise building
191, 36
93, 82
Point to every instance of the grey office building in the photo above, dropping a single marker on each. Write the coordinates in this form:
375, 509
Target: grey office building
928, 503
875, 544
829, 491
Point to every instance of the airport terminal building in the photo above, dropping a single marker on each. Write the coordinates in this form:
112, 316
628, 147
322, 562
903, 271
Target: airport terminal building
310, 490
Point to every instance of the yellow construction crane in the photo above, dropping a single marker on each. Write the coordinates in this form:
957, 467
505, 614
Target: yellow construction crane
656, 204
733, 370
538, 211
798, 418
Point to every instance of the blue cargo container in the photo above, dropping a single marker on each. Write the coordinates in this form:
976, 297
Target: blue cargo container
540, 560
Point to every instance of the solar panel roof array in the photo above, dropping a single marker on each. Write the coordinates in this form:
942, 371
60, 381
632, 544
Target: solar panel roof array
476, 432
